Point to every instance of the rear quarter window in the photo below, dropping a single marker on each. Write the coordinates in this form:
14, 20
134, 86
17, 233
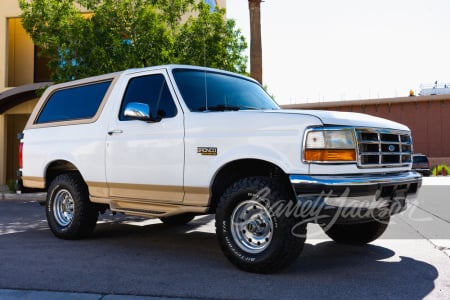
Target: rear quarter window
73, 103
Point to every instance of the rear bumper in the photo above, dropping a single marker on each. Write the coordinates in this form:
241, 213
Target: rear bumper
20, 188
424, 172
354, 198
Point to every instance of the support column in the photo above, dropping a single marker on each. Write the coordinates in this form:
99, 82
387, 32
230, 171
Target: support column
3, 145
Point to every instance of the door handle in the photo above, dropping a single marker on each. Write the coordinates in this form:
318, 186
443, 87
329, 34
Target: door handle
114, 131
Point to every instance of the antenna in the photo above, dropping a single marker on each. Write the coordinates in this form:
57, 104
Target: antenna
204, 65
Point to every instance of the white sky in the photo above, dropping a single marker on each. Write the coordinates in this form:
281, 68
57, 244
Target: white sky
328, 50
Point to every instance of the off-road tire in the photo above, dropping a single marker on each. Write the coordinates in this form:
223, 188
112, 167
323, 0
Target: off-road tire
70, 214
178, 220
356, 234
251, 234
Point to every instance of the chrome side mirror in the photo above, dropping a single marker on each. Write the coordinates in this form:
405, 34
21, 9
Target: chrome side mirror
137, 111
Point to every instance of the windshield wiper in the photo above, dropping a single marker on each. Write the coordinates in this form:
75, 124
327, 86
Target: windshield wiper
220, 107
224, 107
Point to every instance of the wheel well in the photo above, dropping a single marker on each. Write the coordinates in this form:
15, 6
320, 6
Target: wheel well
56, 168
236, 170
61, 166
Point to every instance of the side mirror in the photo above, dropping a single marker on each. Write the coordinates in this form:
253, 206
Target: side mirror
137, 111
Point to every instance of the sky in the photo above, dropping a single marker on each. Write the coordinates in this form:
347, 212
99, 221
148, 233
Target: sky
328, 50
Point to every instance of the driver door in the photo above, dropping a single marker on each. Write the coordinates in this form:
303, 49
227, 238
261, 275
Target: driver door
145, 159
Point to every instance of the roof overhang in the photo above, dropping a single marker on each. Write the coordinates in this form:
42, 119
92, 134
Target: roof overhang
19, 95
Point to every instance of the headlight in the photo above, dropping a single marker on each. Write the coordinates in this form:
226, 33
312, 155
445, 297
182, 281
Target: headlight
330, 145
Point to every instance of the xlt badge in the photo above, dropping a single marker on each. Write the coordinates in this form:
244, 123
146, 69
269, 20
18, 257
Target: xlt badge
207, 150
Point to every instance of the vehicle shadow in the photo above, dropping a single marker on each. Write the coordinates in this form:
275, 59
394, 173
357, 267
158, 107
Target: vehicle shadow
368, 271
135, 256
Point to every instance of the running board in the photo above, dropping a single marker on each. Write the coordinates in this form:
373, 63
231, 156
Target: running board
152, 210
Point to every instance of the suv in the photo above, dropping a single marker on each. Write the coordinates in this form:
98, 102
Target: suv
173, 142
421, 164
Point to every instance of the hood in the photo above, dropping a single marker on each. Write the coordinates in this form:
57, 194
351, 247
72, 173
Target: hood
346, 118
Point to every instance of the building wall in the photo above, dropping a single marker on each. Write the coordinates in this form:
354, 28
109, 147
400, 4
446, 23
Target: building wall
20, 54
9, 9
222, 3
16, 68
11, 123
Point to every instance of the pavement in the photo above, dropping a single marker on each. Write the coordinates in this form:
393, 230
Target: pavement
437, 233
11, 294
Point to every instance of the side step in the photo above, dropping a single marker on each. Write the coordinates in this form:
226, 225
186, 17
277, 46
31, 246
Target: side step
152, 209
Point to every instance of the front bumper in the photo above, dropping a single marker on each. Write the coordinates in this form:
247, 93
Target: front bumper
354, 198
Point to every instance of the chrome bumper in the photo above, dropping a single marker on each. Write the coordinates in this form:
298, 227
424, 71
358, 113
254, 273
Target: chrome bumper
377, 193
409, 177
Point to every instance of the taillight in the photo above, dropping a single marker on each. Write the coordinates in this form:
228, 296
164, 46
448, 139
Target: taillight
20, 155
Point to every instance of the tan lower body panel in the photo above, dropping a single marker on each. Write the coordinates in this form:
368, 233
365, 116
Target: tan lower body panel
33, 182
150, 200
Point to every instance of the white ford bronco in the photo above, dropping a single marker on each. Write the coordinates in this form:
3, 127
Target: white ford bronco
173, 142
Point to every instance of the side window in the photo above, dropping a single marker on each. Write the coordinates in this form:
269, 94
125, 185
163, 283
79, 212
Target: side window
75, 103
151, 90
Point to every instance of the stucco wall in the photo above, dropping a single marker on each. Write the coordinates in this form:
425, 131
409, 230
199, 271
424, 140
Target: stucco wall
9, 8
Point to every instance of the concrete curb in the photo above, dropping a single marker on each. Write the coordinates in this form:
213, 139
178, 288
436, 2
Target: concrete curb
10, 294
23, 197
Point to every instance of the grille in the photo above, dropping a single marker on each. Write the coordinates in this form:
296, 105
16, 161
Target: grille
383, 148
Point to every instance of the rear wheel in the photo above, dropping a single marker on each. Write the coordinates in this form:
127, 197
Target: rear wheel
356, 234
251, 234
70, 214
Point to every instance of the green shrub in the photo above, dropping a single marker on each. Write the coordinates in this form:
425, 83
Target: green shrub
443, 170
11, 183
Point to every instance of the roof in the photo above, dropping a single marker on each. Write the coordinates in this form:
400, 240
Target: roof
113, 75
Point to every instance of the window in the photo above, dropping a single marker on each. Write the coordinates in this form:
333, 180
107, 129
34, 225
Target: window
212, 4
151, 90
41, 68
80, 102
212, 91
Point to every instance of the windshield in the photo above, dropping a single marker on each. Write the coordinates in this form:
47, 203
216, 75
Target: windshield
420, 159
211, 91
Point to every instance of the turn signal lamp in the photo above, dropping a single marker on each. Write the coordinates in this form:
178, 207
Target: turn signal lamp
330, 146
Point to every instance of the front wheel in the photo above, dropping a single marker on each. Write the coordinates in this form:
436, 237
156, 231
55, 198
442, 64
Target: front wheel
356, 234
252, 235
70, 214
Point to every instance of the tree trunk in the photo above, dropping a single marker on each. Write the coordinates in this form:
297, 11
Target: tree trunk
255, 40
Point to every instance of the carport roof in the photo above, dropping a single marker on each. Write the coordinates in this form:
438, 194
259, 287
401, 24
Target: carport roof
21, 94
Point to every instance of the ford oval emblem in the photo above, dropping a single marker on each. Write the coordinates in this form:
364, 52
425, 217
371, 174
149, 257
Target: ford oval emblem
391, 148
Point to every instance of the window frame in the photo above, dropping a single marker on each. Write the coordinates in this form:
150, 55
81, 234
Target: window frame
169, 90
190, 104
32, 123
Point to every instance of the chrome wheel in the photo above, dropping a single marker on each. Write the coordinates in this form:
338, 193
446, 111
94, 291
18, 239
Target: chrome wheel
70, 213
63, 207
251, 226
